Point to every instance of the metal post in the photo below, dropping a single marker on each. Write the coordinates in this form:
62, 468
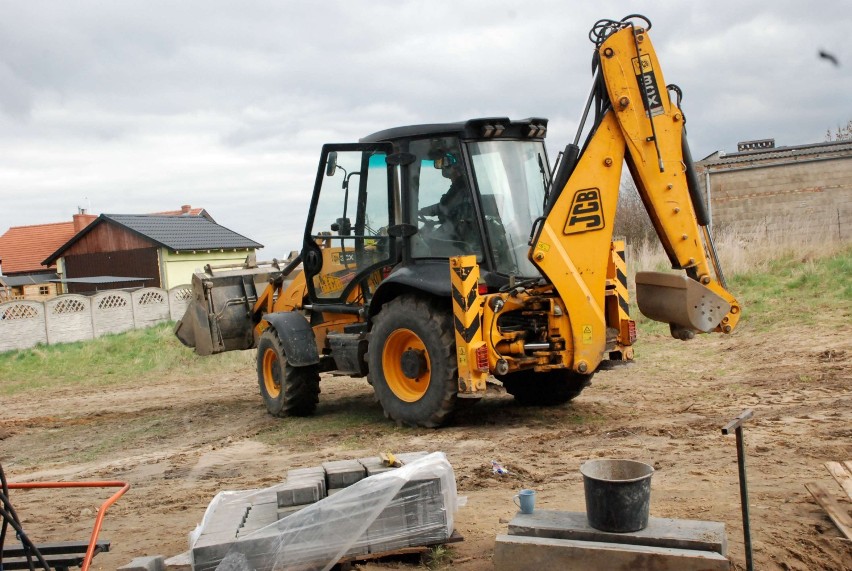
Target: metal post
737, 425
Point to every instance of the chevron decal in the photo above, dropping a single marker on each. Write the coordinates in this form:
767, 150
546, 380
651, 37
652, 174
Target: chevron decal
467, 316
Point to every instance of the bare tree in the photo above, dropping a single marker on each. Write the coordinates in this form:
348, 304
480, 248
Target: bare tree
631, 220
841, 133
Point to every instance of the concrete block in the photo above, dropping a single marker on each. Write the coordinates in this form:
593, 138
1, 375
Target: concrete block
259, 517
343, 473
284, 512
180, 562
309, 472
373, 465
155, 563
425, 513
518, 553
409, 457
661, 532
209, 550
389, 531
301, 490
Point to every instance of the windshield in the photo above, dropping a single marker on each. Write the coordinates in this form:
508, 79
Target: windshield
512, 179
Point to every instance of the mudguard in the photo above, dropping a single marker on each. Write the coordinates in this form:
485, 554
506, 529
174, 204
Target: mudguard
430, 276
296, 336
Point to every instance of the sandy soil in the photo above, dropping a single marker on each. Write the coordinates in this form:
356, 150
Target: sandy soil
180, 440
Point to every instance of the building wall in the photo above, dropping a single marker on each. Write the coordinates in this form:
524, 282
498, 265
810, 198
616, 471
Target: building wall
138, 263
179, 266
40, 292
803, 197
106, 237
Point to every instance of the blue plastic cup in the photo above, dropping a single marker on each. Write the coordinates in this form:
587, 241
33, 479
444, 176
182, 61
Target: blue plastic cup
525, 500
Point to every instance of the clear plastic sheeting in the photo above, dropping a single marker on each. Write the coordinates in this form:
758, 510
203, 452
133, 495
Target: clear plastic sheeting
408, 506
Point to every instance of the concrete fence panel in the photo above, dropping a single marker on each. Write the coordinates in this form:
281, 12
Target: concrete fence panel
72, 317
179, 299
69, 318
22, 324
112, 312
150, 306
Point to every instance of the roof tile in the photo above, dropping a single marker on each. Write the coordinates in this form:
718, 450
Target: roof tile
22, 248
183, 233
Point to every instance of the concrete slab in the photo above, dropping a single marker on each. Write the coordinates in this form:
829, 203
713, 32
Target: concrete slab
343, 473
661, 532
518, 553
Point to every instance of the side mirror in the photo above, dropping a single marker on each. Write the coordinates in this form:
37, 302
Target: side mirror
331, 164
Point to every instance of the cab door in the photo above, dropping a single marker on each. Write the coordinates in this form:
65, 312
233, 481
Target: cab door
346, 243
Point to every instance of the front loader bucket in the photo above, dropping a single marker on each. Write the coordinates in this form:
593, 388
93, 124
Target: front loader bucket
679, 300
219, 317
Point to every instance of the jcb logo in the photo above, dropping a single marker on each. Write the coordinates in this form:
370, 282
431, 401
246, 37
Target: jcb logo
586, 212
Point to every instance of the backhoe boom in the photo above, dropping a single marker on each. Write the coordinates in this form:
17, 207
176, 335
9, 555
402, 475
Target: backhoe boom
640, 126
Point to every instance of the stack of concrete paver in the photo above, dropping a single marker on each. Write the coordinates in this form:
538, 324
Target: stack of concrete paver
257, 529
549, 540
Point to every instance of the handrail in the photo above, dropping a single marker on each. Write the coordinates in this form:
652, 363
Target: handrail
90, 552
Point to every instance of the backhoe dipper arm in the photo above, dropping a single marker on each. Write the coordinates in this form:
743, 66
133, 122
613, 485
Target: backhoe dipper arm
638, 125
659, 161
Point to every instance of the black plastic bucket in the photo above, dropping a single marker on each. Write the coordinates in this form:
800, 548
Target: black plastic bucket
618, 494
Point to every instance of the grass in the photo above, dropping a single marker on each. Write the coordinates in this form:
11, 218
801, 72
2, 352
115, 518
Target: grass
359, 425
778, 284
438, 557
112, 359
777, 281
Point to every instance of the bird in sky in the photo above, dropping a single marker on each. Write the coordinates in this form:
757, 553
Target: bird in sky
830, 57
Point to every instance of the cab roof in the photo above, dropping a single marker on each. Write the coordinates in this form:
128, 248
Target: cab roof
482, 128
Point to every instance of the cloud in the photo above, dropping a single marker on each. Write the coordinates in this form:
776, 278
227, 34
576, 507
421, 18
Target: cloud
144, 106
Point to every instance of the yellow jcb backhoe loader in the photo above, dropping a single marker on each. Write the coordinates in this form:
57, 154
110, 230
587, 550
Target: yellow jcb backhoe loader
437, 255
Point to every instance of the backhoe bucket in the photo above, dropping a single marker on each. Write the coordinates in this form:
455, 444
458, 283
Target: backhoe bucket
678, 300
219, 317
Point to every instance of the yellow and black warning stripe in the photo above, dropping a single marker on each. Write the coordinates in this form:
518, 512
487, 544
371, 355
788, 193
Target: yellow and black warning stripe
620, 262
465, 281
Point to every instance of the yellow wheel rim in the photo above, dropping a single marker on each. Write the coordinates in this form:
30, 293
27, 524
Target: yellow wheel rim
271, 373
404, 387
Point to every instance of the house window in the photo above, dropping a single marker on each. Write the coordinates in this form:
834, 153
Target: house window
44, 290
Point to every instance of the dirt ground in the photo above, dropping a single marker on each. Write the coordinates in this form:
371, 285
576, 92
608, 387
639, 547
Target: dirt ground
179, 440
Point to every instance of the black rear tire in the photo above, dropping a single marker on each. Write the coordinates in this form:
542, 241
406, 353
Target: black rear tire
286, 390
413, 367
550, 388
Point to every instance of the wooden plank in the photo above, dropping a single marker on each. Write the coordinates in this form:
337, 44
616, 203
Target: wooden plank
456, 537
835, 511
842, 475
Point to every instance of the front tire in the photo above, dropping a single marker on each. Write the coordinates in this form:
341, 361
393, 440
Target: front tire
413, 367
286, 390
550, 388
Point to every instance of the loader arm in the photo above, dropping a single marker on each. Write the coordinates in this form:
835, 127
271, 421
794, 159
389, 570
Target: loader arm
638, 125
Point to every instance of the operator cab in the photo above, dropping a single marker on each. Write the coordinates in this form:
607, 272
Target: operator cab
407, 199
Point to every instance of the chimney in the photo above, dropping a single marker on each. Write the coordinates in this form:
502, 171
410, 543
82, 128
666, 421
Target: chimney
185, 209
82, 219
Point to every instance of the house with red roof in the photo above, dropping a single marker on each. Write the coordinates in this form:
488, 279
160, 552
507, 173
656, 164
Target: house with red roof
93, 253
22, 250
146, 250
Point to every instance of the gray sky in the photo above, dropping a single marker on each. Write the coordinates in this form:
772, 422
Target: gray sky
133, 107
